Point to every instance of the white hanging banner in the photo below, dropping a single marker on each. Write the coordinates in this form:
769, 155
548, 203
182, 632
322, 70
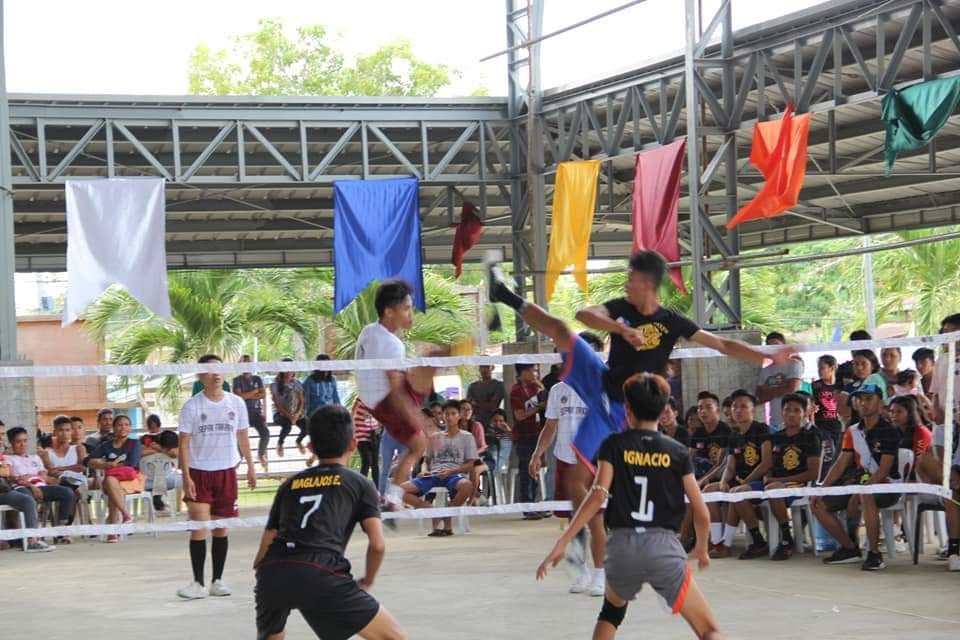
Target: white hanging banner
116, 233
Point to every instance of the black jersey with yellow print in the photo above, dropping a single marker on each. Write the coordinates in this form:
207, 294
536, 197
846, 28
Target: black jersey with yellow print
711, 445
647, 488
790, 453
745, 448
316, 511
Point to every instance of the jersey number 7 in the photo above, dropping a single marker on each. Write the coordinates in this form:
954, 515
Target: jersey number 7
316, 500
645, 514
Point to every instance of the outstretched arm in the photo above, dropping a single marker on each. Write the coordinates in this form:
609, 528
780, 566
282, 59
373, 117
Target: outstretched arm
739, 349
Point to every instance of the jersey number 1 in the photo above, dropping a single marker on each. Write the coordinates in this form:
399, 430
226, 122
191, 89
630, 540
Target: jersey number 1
645, 514
316, 500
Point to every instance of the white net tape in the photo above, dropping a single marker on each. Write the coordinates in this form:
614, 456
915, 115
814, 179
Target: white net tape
407, 363
908, 488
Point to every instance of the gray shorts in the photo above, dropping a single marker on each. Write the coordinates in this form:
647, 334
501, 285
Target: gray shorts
653, 556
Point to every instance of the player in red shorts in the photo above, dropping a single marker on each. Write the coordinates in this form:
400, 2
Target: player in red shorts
395, 396
213, 426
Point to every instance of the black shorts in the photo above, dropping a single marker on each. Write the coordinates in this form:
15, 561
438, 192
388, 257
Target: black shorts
839, 503
334, 606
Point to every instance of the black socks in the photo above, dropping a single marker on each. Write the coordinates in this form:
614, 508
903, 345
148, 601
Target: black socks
756, 536
198, 557
218, 549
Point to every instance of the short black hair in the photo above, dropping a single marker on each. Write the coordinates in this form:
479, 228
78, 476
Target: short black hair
436, 404
743, 393
169, 439
708, 395
828, 360
72, 419
425, 411
452, 404
953, 318
13, 432
390, 294
103, 412
924, 353
154, 419
646, 394
776, 335
592, 339
59, 420
907, 376
210, 357
520, 367
673, 404
499, 412
860, 334
331, 430
799, 399
465, 401
727, 402
650, 264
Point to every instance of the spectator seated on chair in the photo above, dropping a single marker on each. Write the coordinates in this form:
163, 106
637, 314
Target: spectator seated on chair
119, 459
905, 415
451, 456
747, 462
708, 449
158, 462
471, 426
795, 463
64, 461
104, 430
668, 424
871, 448
22, 502
30, 477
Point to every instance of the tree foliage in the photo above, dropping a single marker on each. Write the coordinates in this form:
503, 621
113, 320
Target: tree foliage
272, 61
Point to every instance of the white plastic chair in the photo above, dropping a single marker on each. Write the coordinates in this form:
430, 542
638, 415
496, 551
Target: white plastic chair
23, 521
442, 496
132, 501
905, 459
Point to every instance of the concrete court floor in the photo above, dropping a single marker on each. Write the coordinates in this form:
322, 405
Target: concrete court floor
476, 586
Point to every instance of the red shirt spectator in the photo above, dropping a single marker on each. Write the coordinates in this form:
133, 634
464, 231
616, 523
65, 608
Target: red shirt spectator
524, 397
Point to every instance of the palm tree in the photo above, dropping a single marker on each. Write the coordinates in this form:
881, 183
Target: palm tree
211, 312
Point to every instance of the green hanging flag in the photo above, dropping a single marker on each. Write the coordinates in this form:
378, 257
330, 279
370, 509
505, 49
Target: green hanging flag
916, 114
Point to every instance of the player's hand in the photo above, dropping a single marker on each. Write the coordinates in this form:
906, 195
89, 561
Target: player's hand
553, 559
251, 478
700, 554
189, 489
446, 473
536, 462
365, 583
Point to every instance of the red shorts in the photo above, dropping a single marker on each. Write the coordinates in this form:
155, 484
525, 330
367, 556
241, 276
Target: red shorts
217, 489
391, 414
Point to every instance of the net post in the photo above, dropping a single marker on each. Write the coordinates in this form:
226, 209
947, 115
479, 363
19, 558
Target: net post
948, 407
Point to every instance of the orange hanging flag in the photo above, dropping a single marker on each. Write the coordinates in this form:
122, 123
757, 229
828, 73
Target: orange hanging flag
779, 151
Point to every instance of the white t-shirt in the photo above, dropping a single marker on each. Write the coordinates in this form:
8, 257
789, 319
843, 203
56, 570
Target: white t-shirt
939, 384
566, 407
777, 374
376, 342
939, 436
213, 428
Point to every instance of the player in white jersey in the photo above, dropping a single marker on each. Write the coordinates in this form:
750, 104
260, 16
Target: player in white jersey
213, 426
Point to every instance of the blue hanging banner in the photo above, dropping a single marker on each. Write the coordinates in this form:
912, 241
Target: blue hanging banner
376, 236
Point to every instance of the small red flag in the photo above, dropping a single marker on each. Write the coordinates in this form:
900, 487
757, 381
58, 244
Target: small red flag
468, 234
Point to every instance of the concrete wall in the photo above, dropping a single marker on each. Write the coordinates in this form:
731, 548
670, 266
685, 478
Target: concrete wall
17, 405
719, 375
45, 342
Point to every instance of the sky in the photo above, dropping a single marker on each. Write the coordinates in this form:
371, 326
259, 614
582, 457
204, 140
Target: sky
138, 47
126, 47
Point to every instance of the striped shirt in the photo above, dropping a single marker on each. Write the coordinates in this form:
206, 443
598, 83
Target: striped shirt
364, 424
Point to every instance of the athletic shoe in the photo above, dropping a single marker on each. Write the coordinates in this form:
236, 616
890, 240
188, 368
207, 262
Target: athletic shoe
844, 556
598, 584
193, 591
39, 547
582, 583
874, 562
755, 550
217, 588
943, 555
532, 515
495, 276
436, 533
953, 564
719, 551
112, 538
158, 504
783, 552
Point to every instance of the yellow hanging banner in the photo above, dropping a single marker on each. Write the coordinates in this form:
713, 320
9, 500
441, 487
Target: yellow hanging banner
574, 201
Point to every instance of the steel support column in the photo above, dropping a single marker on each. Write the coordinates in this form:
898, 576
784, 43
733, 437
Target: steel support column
8, 300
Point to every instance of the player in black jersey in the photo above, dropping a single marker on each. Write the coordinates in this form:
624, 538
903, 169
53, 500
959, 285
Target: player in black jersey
300, 563
644, 475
